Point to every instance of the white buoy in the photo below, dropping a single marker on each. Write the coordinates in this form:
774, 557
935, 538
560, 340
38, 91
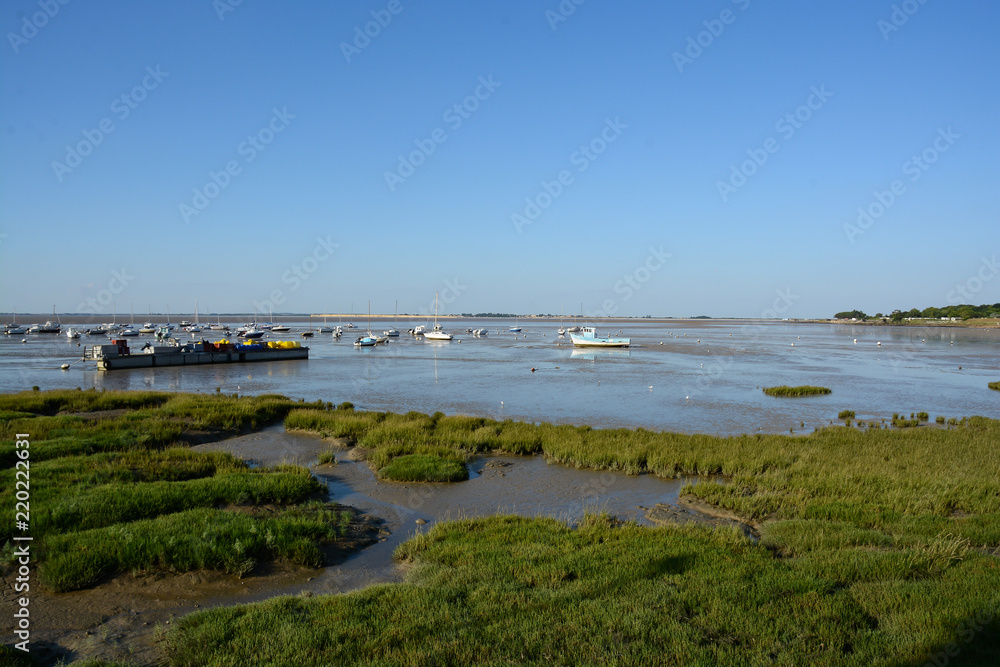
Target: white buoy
65, 367
651, 386
793, 344
879, 343
855, 340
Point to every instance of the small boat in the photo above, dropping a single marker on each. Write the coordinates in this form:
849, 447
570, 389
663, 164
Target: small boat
14, 327
574, 329
147, 328
185, 324
392, 332
72, 333
280, 328
369, 340
49, 327
306, 334
437, 333
479, 333
325, 328
418, 330
252, 333
589, 338
128, 331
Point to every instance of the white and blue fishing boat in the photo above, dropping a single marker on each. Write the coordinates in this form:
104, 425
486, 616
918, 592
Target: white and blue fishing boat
589, 338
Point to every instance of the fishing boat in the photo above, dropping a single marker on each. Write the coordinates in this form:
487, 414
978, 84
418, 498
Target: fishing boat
437, 333
589, 338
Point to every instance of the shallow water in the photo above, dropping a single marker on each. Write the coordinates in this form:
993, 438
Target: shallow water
523, 485
705, 377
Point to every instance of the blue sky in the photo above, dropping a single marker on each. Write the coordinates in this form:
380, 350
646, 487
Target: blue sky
636, 158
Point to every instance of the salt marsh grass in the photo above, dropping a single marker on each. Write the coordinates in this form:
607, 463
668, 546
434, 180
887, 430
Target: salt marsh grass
114, 488
804, 390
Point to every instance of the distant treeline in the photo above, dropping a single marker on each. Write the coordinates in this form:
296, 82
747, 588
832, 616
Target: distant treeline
964, 311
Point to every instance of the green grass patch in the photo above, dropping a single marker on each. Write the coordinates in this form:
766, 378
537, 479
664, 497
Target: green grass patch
424, 468
512, 590
109, 464
201, 539
803, 390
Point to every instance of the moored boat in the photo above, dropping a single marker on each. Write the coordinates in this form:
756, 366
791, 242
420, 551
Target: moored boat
589, 338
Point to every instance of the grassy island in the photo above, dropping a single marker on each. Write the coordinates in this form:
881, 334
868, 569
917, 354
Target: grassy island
803, 390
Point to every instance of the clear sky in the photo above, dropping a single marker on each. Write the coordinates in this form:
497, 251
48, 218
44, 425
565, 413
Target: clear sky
637, 158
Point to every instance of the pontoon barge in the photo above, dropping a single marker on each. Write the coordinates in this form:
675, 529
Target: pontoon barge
118, 355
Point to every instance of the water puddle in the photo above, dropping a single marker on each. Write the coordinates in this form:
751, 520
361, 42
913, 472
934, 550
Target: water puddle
523, 485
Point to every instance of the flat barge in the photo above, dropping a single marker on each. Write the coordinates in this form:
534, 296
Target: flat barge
118, 356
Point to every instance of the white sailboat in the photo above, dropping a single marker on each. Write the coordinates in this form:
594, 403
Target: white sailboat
437, 333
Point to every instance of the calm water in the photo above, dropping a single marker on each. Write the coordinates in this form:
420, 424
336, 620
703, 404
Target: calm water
704, 377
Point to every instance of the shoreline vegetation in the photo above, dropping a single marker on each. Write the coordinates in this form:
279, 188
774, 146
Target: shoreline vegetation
802, 390
877, 546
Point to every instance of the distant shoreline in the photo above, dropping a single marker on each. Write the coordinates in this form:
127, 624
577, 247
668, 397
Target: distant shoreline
340, 318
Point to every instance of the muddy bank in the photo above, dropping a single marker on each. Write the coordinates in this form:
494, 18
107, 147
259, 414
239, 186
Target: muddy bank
691, 510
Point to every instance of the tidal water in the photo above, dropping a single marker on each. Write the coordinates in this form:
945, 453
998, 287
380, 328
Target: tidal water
700, 376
